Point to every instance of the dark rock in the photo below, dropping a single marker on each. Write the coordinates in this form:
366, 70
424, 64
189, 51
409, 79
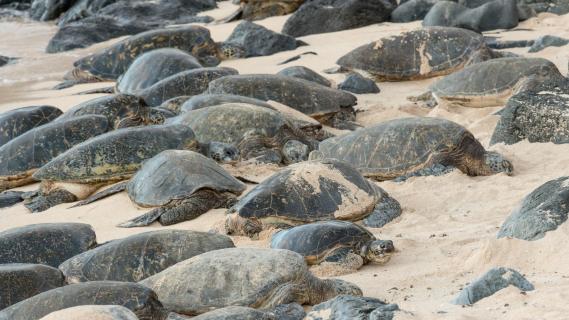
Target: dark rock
321, 16
543, 210
540, 115
10, 198
306, 74
491, 282
548, 41
412, 10
356, 83
45, 10
497, 14
5, 60
22, 281
291, 311
83, 33
257, 40
353, 308
83, 9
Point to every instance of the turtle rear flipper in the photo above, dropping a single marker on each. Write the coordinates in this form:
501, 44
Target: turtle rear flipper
119, 187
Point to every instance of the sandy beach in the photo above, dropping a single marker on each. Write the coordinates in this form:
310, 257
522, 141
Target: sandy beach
446, 235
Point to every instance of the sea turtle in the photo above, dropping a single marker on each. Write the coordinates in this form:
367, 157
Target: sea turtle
183, 185
341, 244
108, 64
121, 111
329, 106
154, 66
22, 280
418, 54
261, 9
139, 299
492, 83
46, 243
185, 83
410, 145
258, 132
16, 122
22, 156
139, 256
112, 157
93, 312
308, 192
247, 277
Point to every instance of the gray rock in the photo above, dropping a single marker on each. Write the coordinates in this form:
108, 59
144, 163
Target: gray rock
543, 210
257, 40
548, 41
45, 10
315, 16
306, 74
346, 307
497, 14
358, 84
540, 115
10, 198
491, 282
412, 10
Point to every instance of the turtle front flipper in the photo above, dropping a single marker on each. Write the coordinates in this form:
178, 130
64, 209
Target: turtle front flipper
38, 201
119, 187
143, 220
386, 209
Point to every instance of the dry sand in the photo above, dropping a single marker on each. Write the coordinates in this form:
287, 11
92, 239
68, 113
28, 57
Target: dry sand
446, 236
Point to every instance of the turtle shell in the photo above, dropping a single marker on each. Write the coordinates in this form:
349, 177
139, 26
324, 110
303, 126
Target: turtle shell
110, 63
493, 77
116, 155
46, 243
139, 299
418, 54
207, 100
315, 240
37, 147
228, 123
154, 66
305, 96
227, 277
115, 108
177, 174
186, 83
92, 312
21, 281
18, 121
310, 191
139, 256
393, 148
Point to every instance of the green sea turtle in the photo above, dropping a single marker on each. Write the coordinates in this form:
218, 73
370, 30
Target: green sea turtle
261, 9
308, 192
247, 277
112, 157
108, 64
258, 132
121, 110
329, 106
492, 83
46, 243
404, 146
139, 256
22, 280
16, 122
418, 54
22, 156
154, 66
341, 244
185, 83
139, 299
93, 312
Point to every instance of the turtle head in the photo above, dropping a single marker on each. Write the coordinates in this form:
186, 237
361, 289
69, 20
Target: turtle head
378, 251
496, 163
237, 225
295, 151
228, 50
222, 152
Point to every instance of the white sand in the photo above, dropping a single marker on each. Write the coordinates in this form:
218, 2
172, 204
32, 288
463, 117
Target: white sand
446, 235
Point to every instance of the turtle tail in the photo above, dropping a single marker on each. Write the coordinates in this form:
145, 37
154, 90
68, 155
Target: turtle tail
119, 187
